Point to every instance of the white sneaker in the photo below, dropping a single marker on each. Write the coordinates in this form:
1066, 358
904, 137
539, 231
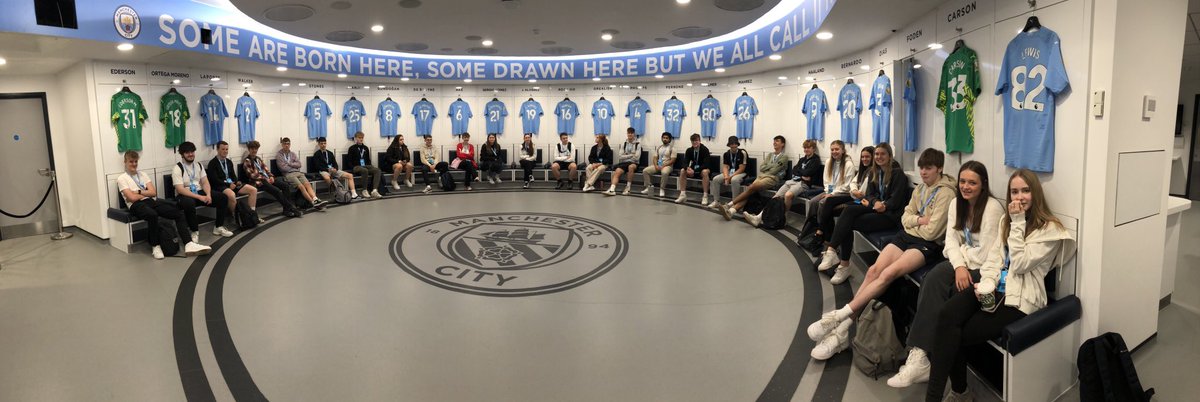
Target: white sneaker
704, 199
491, 180
194, 249
648, 190
498, 180
828, 260
588, 188
682, 197
409, 183
222, 231
662, 192
354, 194
626, 192
915, 370
753, 219
396, 185
715, 204
196, 237
428, 189
818, 330
841, 274
833, 344
157, 253
375, 194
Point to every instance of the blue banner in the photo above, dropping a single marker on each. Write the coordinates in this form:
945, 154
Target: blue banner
177, 25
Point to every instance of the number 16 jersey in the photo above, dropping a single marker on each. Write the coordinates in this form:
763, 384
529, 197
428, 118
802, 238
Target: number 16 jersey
1031, 76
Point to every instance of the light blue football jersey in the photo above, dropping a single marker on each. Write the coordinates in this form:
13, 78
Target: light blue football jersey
710, 112
910, 111
212, 110
1031, 76
567, 112
744, 110
388, 114
317, 112
352, 113
531, 117
602, 115
246, 112
494, 113
636, 112
673, 114
423, 114
881, 109
849, 107
460, 117
815, 106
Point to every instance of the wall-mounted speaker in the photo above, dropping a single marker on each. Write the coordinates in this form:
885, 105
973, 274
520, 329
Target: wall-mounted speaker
56, 13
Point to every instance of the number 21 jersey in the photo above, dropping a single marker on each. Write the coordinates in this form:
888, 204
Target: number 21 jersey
1031, 75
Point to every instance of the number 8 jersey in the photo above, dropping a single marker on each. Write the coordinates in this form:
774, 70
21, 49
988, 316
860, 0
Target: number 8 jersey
1031, 75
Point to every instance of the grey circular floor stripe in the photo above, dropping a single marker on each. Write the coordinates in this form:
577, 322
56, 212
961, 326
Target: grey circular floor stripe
780, 387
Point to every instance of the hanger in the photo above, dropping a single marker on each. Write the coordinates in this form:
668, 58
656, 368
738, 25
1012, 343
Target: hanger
316, 96
210, 92
814, 86
849, 81
459, 99
567, 98
601, 98
172, 90
709, 96
352, 97
745, 94
495, 100
673, 97
245, 94
1032, 23
637, 97
958, 44
423, 99
531, 99
389, 97
881, 72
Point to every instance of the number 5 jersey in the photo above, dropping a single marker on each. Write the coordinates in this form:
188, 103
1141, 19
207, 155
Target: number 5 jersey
1031, 76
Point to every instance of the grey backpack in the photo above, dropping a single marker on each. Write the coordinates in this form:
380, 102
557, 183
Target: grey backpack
877, 350
341, 194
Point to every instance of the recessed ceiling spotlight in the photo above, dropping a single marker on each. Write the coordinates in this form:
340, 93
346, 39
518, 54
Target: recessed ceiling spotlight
404, 78
606, 36
625, 86
349, 87
4, 61
302, 84
810, 78
457, 87
720, 70
683, 1
659, 76
865, 68
775, 57
689, 84
595, 78
487, 43
467, 80
918, 65
703, 84
281, 69
824, 35
532, 80
782, 78
376, 28
125, 47
214, 79
935, 46
285, 85
342, 75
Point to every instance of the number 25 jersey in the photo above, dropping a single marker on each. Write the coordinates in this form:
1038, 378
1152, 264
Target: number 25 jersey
1031, 75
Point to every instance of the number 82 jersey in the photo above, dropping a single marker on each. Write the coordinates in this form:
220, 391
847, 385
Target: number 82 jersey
1031, 76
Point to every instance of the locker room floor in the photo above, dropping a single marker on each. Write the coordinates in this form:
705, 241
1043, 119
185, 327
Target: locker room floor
349, 304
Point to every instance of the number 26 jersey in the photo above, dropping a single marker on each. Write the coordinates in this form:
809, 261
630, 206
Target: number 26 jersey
1031, 76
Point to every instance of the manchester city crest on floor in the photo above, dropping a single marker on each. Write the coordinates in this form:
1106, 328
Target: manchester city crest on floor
509, 254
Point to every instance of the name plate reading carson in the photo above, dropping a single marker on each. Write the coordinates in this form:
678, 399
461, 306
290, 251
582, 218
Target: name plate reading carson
509, 254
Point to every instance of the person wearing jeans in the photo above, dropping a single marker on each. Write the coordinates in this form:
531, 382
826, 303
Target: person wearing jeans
140, 194
733, 171
360, 164
465, 159
489, 159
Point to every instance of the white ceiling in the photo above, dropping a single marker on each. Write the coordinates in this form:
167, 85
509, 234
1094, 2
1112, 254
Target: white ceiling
518, 27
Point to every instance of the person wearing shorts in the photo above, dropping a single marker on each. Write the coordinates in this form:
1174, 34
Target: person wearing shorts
627, 160
289, 165
328, 167
695, 166
564, 159
768, 176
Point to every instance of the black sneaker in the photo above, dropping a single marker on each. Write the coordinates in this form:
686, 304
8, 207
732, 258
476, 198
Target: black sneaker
527, 184
559, 186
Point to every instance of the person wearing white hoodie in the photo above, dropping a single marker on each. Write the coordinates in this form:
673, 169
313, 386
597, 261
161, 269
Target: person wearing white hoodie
1032, 242
924, 227
972, 232
838, 176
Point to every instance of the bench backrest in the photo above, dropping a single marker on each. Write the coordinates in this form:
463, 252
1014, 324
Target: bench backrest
1063, 280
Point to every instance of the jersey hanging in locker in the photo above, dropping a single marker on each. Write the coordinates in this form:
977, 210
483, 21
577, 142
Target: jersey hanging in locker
460, 117
849, 107
246, 113
602, 114
531, 117
636, 112
673, 113
567, 112
744, 110
388, 114
710, 112
173, 113
213, 114
423, 114
317, 112
957, 93
815, 106
128, 117
881, 109
1032, 75
495, 112
352, 113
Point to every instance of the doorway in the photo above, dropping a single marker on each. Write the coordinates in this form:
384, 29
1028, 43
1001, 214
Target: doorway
26, 206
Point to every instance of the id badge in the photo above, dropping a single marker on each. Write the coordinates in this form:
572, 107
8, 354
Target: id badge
194, 188
228, 180
830, 190
362, 162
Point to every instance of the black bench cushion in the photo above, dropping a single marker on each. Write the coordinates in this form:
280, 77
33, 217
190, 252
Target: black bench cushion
1035, 327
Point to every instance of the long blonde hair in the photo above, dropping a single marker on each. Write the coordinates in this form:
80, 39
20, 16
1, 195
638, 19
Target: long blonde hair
1039, 214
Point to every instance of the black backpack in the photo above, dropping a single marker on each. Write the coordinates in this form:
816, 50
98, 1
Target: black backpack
446, 181
168, 237
1106, 372
246, 218
774, 215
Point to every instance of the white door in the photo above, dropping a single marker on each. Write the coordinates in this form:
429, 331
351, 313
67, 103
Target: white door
24, 156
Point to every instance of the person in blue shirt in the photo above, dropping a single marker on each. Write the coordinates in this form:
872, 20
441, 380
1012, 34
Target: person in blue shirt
423, 114
317, 112
531, 116
602, 114
495, 112
627, 161
247, 114
710, 112
881, 109
673, 114
744, 110
567, 112
460, 117
1032, 75
815, 106
637, 111
850, 106
388, 114
352, 113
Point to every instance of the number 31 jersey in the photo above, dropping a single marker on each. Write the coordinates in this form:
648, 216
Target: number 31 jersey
1031, 75
956, 99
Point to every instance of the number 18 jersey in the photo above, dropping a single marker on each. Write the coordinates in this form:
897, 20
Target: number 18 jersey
1031, 75
173, 113
956, 99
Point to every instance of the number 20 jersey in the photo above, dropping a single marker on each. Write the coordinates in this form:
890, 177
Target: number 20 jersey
1031, 75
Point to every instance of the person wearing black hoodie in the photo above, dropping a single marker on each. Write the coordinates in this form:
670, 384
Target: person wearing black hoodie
886, 196
806, 177
489, 159
599, 159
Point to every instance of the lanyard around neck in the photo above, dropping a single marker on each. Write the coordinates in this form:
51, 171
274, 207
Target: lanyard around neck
921, 211
137, 180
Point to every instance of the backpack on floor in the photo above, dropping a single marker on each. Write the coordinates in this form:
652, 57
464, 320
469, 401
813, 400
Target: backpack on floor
246, 218
1106, 371
774, 215
168, 237
341, 194
446, 181
877, 350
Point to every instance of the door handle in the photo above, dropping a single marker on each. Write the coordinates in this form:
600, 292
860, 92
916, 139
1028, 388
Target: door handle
44, 172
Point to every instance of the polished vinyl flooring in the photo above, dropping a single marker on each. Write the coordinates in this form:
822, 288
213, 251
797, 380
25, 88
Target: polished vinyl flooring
499, 294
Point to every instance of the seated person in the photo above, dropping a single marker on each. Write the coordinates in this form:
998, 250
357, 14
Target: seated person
431, 161
966, 250
528, 157
261, 178
663, 160
598, 160
289, 165
806, 176
360, 164
837, 176
695, 165
489, 159
222, 174
192, 189
833, 205
138, 190
1032, 242
627, 162
564, 159
327, 165
733, 171
464, 159
924, 224
400, 159
768, 176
